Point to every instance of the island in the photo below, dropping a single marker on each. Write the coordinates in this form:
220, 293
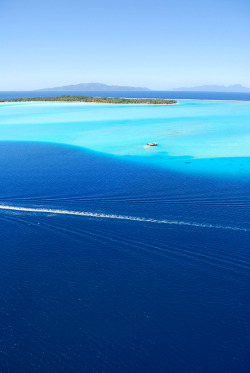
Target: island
215, 88
98, 100
94, 87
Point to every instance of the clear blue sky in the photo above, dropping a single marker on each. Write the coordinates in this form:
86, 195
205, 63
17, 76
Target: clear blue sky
158, 44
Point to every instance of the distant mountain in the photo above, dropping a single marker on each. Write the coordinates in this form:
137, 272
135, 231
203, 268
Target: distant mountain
94, 87
215, 88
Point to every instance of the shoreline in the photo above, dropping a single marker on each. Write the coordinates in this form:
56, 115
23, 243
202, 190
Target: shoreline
85, 103
109, 103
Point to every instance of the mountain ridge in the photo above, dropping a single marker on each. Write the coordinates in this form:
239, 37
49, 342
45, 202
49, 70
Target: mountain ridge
215, 88
94, 87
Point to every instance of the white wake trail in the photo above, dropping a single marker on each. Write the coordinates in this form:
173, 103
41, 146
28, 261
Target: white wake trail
118, 217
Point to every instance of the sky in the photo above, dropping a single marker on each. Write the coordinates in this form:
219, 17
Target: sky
158, 44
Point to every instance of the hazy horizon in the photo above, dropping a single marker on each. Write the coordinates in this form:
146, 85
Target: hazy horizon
217, 88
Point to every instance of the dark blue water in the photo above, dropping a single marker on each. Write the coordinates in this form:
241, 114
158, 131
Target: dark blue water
101, 294
242, 96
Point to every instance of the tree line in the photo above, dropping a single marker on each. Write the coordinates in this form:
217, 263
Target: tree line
103, 100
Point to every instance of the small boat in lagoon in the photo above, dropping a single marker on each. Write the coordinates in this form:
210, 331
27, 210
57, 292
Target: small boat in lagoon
152, 144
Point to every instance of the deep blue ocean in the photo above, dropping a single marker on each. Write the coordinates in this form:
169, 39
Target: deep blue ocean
243, 96
111, 264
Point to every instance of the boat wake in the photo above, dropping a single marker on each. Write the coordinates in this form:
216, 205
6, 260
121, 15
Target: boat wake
119, 217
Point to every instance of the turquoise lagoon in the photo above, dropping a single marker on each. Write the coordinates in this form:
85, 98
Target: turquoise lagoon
210, 137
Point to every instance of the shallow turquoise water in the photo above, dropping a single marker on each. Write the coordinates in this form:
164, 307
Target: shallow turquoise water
209, 137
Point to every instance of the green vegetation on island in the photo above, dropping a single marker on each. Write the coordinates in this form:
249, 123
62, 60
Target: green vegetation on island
102, 100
